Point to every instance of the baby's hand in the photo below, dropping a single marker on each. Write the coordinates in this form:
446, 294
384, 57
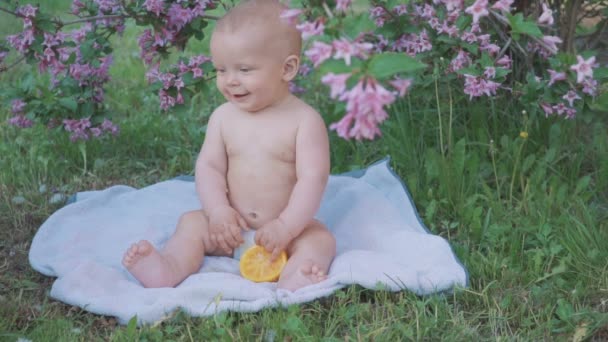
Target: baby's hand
274, 236
225, 225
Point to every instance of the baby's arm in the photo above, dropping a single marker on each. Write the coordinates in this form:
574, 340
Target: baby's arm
210, 177
312, 172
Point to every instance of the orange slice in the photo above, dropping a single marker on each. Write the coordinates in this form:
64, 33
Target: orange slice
255, 265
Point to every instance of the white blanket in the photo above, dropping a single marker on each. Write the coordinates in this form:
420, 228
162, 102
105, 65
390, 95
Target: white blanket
381, 242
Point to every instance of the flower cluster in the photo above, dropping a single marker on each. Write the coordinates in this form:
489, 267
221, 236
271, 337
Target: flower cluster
364, 58
172, 83
18, 119
365, 104
584, 84
460, 33
82, 129
171, 18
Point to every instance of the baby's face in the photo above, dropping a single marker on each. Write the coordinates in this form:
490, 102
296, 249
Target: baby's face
249, 73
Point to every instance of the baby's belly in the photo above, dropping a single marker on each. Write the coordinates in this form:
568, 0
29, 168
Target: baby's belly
260, 191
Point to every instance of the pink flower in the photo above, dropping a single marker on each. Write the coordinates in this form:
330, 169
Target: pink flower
584, 68
108, 126
365, 110
504, 61
17, 106
378, 14
291, 15
490, 72
477, 86
155, 6
400, 9
197, 72
78, 128
590, 86
555, 76
559, 108
178, 18
478, 9
428, 12
401, 85
27, 11
547, 16
337, 83
570, 96
20, 121
76, 7
547, 108
342, 5
309, 29
551, 42
460, 61
319, 52
344, 49
452, 5
166, 101
450, 30
503, 6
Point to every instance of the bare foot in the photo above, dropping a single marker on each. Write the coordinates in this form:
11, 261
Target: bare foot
148, 266
307, 274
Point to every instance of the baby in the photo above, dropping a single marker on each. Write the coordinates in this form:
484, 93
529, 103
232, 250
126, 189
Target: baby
263, 166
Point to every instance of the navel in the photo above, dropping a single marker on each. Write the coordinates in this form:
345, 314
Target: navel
253, 215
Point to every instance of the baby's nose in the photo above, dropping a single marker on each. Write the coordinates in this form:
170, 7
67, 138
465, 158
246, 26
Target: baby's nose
233, 79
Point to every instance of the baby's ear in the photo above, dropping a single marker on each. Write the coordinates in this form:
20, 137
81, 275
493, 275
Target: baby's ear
291, 67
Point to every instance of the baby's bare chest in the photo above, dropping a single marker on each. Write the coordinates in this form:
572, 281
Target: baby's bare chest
259, 143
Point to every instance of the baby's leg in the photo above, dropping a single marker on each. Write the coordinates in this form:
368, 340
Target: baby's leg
182, 255
310, 256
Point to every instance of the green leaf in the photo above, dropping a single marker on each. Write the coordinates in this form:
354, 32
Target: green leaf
44, 23
132, 328
354, 25
486, 60
582, 184
69, 103
502, 72
469, 71
601, 103
458, 157
87, 50
188, 79
338, 66
390, 63
600, 73
520, 25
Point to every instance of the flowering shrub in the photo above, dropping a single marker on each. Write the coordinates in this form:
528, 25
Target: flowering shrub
368, 59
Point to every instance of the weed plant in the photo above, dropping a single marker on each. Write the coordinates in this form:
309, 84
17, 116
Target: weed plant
523, 200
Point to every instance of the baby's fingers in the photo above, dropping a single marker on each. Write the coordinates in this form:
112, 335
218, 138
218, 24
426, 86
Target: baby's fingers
229, 238
235, 235
221, 242
242, 223
275, 254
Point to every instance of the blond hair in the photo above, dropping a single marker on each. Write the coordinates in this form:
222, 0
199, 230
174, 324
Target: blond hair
263, 15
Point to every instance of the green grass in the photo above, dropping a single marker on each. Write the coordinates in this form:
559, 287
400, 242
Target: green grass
527, 217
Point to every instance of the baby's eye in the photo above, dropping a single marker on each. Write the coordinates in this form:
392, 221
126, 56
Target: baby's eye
219, 70
245, 69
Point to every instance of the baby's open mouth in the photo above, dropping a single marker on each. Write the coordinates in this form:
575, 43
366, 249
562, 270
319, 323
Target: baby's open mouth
239, 96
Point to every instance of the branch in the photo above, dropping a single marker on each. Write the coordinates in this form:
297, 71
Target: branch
539, 41
87, 19
5, 68
115, 16
9, 12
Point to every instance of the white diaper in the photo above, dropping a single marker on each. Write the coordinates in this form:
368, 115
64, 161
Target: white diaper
248, 236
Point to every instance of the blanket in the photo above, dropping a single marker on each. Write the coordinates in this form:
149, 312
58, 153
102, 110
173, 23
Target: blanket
381, 243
